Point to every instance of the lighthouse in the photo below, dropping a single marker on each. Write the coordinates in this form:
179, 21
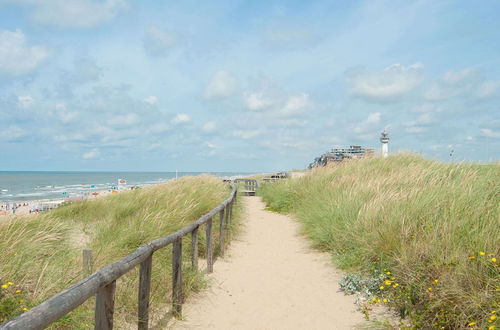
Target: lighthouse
384, 138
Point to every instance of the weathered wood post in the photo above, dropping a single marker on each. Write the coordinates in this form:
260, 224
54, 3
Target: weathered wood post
144, 293
105, 307
194, 249
208, 233
230, 215
177, 296
87, 261
221, 231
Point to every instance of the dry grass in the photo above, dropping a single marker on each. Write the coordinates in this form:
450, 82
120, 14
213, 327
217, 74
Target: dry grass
42, 255
421, 219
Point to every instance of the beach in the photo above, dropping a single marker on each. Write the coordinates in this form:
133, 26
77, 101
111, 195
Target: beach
29, 193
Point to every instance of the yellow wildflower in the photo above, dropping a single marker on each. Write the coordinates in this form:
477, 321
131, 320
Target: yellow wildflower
381, 287
491, 327
472, 257
4, 286
490, 254
25, 309
393, 278
493, 312
374, 299
436, 281
378, 300
472, 323
388, 273
10, 283
387, 282
385, 300
429, 288
493, 259
493, 317
395, 285
18, 291
481, 253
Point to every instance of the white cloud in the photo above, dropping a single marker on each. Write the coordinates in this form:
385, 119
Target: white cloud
209, 127
94, 153
68, 117
426, 108
159, 128
12, 133
420, 124
467, 82
457, 77
151, 100
18, 58
387, 86
159, 42
423, 119
24, 101
222, 85
123, 120
488, 88
372, 122
490, 133
296, 104
294, 123
290, 38
258, 101
72, 13
247, 134
180, 118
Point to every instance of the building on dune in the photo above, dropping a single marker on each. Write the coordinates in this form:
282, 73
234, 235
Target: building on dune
337, 155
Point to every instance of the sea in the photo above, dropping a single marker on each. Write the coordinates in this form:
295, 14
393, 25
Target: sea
28, 186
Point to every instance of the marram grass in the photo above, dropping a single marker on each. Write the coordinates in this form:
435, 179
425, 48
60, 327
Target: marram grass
433, 226
42, 255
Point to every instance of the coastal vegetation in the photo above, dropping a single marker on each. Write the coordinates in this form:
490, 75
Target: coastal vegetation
417, 235
42, 254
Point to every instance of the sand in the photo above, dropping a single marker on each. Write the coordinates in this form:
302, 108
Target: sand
271, 279
24, 206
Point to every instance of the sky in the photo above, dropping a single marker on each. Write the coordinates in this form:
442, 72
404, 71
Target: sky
254, 86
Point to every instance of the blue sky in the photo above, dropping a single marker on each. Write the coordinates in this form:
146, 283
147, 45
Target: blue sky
243, 85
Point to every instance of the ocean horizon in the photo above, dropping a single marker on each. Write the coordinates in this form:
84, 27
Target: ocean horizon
18, 186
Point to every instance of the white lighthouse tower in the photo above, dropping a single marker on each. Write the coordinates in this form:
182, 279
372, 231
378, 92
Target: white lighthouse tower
384, 138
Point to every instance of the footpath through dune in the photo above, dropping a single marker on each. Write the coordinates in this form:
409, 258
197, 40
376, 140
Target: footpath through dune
271, 279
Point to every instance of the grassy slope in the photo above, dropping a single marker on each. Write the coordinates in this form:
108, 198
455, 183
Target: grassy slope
423, 220
42, 255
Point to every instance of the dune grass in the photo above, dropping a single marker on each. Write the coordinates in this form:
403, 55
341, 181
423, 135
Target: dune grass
42, 255
431, 230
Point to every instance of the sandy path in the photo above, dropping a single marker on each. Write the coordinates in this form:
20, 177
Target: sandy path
271, 279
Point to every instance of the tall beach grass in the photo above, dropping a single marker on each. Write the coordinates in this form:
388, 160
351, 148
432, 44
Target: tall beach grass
42, 255
432, 227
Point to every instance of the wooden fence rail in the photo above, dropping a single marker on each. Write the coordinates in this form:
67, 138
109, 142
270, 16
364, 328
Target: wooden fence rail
102, 283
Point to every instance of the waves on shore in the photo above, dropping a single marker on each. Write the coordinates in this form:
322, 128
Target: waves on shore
30, 186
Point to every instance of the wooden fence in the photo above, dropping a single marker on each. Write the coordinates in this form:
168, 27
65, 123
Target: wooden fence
103, 282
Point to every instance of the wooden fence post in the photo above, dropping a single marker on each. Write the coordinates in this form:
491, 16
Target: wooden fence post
177, 296
87, 261
105, 306
230, 215
208, 232
194, 249
144, 293
221, 231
